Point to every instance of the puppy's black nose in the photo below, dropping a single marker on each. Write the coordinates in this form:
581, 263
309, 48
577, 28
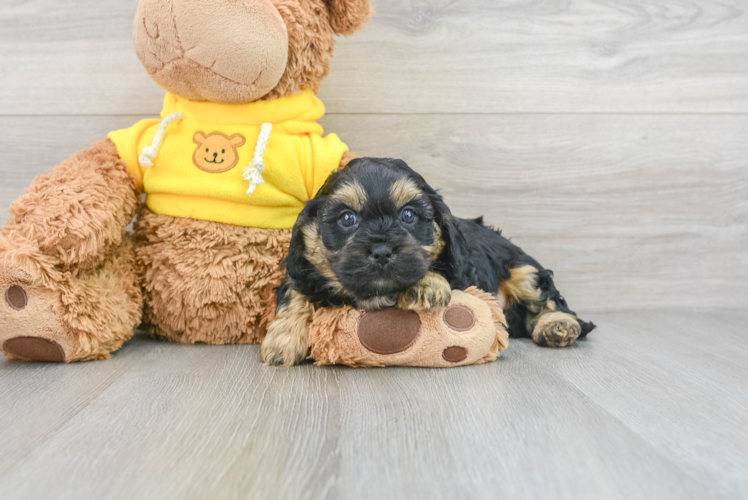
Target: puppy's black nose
215, 155
381, 254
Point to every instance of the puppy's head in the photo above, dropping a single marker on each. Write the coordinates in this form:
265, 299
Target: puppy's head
375, 229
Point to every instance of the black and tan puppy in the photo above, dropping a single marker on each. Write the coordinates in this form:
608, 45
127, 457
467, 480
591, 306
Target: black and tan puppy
377, 235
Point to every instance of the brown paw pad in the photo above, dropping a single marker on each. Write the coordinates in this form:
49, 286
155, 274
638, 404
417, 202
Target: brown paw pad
455, 354
389, 331
459, 318
34, 349
16, 297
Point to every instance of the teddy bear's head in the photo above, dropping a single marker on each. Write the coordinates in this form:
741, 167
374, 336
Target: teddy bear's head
239, 51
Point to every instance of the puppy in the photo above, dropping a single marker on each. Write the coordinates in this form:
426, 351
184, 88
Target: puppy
377, 235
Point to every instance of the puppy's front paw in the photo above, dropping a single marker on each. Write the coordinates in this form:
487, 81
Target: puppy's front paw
432, 292
287, 340
281, 351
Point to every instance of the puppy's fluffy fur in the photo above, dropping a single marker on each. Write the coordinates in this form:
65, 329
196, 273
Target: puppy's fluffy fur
377, 235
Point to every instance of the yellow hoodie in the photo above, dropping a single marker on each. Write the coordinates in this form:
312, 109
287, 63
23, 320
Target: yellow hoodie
208, 163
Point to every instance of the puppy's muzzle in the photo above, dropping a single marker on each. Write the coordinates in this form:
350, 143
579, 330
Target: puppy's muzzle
381, 254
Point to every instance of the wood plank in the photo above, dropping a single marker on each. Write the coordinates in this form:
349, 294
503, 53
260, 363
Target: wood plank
630, 212
643, 409
706, 380
419, 56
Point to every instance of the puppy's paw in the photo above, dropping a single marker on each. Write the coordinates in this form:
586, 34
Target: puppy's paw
432, 292
556, 330
287, 340
286, 343
281, 352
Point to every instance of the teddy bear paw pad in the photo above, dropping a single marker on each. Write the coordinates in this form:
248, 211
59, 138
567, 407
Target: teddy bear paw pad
459, 318
16, 298
390, 331
455, 354
34, 349
30, 326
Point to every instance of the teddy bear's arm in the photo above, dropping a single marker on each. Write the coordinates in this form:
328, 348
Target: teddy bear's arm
80, 209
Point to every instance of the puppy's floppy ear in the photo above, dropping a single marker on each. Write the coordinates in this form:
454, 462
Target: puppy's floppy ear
453, 262
298, 267
348, 16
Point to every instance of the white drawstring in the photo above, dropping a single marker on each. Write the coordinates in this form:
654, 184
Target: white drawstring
151, 152
253, 173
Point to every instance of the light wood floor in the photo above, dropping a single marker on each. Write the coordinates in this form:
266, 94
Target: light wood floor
653, 405
609, 138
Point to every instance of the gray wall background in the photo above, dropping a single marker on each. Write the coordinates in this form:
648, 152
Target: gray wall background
608, 138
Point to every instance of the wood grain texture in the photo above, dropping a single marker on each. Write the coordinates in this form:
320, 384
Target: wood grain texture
419, 56
629, 211
651, 406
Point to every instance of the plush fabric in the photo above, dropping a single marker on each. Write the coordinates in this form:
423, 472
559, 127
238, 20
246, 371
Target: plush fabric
65, 246
88, 313
238, 51
231, 51
207, 282
471, 330
298, 160
77, 213
346, 15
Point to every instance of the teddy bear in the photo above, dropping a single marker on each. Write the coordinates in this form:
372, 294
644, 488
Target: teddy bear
224, 172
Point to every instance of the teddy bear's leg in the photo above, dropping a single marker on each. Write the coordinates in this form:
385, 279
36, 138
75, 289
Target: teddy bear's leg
535, 307
207, 282
68, 286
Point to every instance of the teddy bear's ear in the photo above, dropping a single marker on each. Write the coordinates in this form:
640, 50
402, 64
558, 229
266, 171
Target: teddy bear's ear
198, 138
348, 16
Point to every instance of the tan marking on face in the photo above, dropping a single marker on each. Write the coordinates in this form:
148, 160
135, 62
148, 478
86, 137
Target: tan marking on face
216, 152
435, 249
288, 336
403, 191
352, 195
319, 256
521, 287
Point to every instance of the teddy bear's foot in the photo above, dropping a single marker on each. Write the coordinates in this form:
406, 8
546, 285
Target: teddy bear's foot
30, 329
51, 315
32, 348
556, 329
471, 330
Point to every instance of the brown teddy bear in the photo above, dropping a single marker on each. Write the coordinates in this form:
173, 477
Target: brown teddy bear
226, 170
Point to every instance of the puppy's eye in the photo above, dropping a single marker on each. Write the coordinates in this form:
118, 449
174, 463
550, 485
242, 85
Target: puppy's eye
348, 220
223, 151
408, 216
